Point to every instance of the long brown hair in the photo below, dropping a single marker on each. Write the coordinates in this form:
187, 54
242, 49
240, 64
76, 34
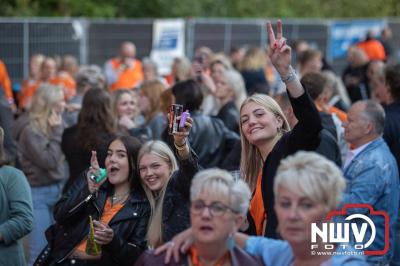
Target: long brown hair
96, 119
152, 90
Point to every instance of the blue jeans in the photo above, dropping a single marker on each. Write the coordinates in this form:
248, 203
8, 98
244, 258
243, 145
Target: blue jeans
43, 198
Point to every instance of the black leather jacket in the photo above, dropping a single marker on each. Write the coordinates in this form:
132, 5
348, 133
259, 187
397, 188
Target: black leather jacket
176, 207
211, 140
229, 114
72, 225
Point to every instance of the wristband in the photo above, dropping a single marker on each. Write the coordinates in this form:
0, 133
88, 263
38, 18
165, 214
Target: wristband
180, 148
290, 77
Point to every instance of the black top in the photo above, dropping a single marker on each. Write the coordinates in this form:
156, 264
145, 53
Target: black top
176, 215
255, 81
392, 130
229, 114
77, 157
72, 225
356, 81
329, 148
304, 136
209, 138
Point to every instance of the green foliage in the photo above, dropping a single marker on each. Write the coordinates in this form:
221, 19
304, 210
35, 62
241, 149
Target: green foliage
201, 8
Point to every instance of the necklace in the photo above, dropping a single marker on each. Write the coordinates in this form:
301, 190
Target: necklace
119, 198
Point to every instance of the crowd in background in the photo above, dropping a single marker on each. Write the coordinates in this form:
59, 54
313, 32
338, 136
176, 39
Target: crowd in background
249, 110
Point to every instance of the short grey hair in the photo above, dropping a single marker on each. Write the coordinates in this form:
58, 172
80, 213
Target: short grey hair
147, 62
236, 83
314, 175
220, 182
375, 113
89, 76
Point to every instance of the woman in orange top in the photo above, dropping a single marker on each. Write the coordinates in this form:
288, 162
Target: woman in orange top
266, 136
117, 204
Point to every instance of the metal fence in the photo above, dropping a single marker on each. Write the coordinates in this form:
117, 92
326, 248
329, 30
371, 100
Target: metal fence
96, 40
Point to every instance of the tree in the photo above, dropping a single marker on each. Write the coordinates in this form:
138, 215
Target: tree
202, 8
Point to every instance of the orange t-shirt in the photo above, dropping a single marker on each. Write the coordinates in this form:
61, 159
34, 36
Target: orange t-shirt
373, 49
129, 77
5, 81
29, 88
257, 210
69, 84
195, 261
108, 213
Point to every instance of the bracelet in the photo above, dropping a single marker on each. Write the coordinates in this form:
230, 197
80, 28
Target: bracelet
181, 147
290, 77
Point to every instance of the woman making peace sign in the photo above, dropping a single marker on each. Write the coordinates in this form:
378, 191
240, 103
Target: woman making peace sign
267, 138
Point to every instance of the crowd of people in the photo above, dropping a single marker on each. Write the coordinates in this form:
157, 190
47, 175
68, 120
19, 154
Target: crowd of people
275, 141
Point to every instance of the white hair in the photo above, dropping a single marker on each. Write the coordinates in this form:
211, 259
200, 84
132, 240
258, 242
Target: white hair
220, 182
236, 83
312, 174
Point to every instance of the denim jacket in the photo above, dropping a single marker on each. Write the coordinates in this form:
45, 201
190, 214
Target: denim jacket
372, 178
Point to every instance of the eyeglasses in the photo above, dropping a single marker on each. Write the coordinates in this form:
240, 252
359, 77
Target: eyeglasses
216, 209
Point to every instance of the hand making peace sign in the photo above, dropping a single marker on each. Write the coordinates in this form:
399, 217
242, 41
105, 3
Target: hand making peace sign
281, 56
280, 53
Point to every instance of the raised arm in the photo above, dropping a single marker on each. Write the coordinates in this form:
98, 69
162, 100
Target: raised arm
281, 56
80, 194
305, 135
188, 162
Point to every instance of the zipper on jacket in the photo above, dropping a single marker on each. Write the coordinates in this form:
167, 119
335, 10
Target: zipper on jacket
80, 204
73, 209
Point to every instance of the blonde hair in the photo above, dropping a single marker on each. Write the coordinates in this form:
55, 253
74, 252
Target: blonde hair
254, 59
161, 150
236, 83
251, 161
116, 97
220, 58
43, 102
152, 90
220, 182
314, 175
182, 69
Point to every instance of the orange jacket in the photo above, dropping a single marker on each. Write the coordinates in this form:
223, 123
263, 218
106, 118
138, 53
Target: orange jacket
127, 78
5, 82
373, 49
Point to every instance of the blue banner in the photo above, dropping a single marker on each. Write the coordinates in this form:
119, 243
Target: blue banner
346, 33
